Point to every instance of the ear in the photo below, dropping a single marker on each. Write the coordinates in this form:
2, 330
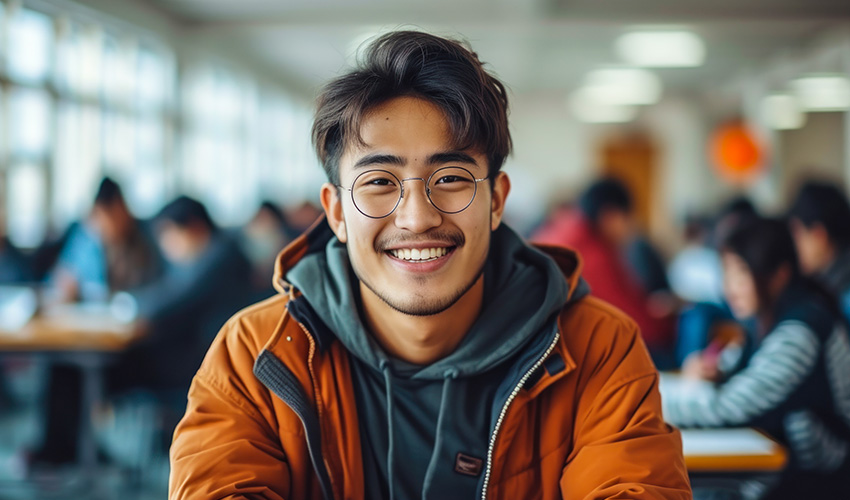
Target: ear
501, 188
332, 204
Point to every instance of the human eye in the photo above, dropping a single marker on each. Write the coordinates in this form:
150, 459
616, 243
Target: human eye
379, 181
452, 178
376, 181
449, 178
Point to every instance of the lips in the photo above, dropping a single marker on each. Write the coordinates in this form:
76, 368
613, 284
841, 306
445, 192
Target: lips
418, 254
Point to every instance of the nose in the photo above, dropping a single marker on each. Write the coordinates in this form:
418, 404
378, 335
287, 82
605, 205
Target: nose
415, 212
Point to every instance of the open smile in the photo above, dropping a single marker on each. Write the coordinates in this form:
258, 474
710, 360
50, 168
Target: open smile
420, 254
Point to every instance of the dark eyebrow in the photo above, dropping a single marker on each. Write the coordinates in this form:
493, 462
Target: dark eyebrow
379, 159
450, 157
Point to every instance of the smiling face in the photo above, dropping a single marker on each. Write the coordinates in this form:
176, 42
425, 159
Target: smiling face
418, 261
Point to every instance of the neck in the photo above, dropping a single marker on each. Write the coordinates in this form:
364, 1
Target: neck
422, 340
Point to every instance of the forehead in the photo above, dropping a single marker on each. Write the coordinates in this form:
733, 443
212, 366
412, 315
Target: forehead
408, 127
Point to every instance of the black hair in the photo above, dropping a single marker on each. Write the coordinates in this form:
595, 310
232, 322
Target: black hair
823, 203
766, 245
445, 72
185, 212
604, 195
108, 192
732, 214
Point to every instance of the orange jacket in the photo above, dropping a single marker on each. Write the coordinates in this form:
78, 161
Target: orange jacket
272, 412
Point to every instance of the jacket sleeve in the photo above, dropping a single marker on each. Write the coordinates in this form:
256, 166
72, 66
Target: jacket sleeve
622, 446
224, 447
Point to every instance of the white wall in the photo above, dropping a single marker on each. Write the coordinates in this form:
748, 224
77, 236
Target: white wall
816, 149
552, 156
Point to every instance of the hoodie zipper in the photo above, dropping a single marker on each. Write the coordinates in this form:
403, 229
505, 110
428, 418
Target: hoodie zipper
504, 412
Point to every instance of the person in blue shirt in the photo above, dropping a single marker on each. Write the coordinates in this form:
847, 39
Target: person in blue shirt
110, 251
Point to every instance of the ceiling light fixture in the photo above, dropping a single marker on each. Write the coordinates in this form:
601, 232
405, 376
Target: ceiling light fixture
661, 49
823, 92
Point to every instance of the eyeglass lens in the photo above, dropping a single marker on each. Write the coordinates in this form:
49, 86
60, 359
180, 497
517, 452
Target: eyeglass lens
376, 193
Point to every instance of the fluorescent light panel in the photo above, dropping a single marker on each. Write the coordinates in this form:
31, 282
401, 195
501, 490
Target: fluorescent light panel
661, 49
822, 92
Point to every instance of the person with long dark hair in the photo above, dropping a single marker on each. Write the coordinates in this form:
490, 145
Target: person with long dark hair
795, 381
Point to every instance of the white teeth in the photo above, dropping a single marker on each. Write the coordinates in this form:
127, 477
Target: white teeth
418, 253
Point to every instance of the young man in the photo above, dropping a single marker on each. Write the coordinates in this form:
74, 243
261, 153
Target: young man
418, 348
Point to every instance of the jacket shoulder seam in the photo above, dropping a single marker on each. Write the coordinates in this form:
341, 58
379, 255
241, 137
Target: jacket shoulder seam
608, 310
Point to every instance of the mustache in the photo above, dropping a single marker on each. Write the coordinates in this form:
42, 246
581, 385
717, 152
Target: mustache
448, 238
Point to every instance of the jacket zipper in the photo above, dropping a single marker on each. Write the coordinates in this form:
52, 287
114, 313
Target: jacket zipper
504, 412
317, 401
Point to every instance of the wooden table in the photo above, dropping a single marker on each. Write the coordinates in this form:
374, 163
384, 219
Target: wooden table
741, 461
740, 450
87, 336
69, 328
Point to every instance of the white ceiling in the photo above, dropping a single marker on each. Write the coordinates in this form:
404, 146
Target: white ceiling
534, 46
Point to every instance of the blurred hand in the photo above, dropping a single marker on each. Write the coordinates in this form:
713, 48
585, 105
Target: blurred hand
700, 366
67, 288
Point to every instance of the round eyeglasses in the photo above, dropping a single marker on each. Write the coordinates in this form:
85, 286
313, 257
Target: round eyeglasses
377, 193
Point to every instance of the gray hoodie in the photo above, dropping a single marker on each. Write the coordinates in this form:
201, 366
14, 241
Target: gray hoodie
424, 428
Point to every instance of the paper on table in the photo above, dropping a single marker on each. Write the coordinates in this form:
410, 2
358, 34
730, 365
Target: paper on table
17, 305
740, 441
673, 384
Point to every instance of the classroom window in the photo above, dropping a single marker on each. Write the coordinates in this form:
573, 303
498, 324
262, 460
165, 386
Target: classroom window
26, 204
30, 39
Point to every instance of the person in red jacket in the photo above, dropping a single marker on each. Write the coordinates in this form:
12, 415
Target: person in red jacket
599, 229
418, 347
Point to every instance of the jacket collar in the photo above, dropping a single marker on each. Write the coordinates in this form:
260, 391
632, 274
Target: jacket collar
316, 238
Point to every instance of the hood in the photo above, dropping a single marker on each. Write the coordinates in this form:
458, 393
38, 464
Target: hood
525, 287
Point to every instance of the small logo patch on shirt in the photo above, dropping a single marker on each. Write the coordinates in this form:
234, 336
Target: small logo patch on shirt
467, 465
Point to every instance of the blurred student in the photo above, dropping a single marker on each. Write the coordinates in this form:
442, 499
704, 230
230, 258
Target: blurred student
207, 280
820, 224
600, 231
110, 251
794, 383
263, 238
696, 277
300, 217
